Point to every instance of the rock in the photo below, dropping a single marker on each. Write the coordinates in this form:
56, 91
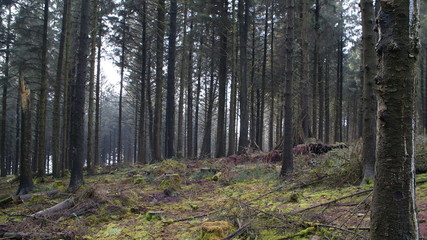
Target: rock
215, 230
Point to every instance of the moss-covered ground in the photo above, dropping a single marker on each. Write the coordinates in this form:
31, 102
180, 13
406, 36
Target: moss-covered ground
186, 199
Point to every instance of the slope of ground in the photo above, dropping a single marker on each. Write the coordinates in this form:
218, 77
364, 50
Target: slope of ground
236, 197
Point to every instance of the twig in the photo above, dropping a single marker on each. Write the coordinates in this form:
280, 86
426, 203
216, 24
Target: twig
240, 230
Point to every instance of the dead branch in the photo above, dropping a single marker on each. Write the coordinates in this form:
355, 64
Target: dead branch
35, 235
333, 201
240, 230
196, 216
30, 195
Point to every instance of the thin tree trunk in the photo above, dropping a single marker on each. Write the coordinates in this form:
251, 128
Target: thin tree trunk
159, 80
287, 165
222, 79
41, 110
243, 18
327, 99
369, 100
190, 152
233, 94
321, 102
142, 115
90, 135
3, 168
315, 69
96, 161
263, 81
305, 119
122, 76
198, 90
170, 96
273, 90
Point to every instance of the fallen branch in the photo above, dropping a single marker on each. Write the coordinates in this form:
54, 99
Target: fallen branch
196, 216
239, 231
35, 235
341, 229
68, 203
333, 201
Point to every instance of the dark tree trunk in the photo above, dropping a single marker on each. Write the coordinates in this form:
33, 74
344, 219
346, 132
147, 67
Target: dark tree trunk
3, 167
98, 99
243, 18
233, 93
287, 165
56, 115
170, 96
91, 110
393, 198
76, 147
198, 90
320, 87
190, 152
222, 79
304, 118
122, 76
315, 68
25, 176
369, 100
142, 115
263, 82
41, 110
327, 99
273, 90
160, 33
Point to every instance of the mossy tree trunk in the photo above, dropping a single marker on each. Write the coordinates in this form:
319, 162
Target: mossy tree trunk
393, 204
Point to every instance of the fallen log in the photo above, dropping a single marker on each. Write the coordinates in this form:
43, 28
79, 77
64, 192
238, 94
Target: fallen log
68, 203
49, 193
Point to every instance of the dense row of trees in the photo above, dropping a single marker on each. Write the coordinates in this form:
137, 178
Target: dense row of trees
198, 79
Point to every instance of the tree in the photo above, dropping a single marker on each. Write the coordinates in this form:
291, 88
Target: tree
41, 110
76, 147
170, 95
142, 115
222, 79
369, 100
287, 160
394, 187
25, 174
243, 18
160, 32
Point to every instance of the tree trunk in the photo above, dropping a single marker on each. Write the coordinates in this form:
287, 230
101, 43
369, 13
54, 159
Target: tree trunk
233, 93
122, 76
41, 110
25, 176
394, 186
76, 147
327, 100
96, 161
287, 164
321, 102
243, 18
160, 33
190, 152
315, 69
263, 81
170, 101
142, 115
304, 117
273, 90
198, 90
3, 168
90, 121
369, 100
222, 79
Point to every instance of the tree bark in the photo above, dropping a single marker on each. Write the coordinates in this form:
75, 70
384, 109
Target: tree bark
3, 167
393, 199
142, 115
233, 87
159, 80
369, 100
287, 164
91, 110
25, 176
170, 96
222, 79
76, 147
41, 110
243, 18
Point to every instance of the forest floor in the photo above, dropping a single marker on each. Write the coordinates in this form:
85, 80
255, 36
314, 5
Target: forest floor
237, 197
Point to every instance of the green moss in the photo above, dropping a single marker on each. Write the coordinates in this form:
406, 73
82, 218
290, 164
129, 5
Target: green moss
215, 230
